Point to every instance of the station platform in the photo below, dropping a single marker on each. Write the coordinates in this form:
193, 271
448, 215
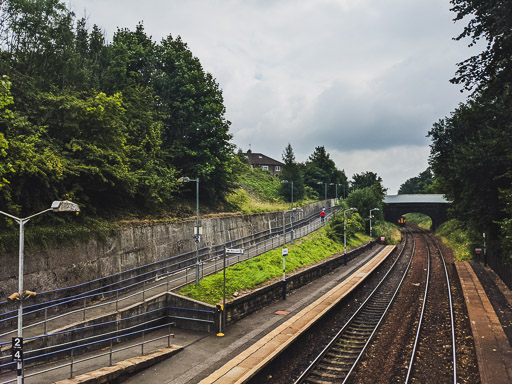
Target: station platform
493, 350
248, 363
203, 354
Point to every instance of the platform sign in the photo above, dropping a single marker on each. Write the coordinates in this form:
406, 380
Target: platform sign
17, 349
285, 252
234, 251
383, 239
478, 251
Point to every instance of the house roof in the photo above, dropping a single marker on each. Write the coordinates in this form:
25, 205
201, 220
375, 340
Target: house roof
261, 159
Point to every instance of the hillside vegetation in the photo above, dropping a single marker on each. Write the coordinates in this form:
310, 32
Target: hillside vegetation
258, 270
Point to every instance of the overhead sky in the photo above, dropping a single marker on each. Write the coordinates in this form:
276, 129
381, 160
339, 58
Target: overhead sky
364, 78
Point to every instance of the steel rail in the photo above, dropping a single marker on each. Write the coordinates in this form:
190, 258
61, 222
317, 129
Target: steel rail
452, 321
450, 303
304, 376
418, 330
370, 339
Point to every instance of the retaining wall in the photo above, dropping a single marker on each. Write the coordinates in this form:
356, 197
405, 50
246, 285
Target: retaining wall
132, 247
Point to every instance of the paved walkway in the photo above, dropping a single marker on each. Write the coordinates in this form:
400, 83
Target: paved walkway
247, 364
493, 350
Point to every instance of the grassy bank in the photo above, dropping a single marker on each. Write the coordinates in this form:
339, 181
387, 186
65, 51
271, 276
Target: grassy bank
388, 230
456, 237
251, 273
421, 220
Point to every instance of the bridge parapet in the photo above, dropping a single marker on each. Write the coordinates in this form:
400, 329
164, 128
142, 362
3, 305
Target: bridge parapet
433, 205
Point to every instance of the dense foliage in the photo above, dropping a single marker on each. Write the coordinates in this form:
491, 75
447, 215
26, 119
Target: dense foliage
423, 183
110, 126
471, 151
321, 174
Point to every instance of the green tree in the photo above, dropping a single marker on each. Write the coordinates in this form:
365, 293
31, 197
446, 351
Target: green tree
365, 199
472, 158
319, 170
490, 21
196, 132
292, 173
5, 100
365, 180
423, 183
336, 227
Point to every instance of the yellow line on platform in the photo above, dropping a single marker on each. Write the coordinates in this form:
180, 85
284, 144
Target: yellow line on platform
248, 363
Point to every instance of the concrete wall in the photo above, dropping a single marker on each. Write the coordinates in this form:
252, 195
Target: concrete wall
133, 246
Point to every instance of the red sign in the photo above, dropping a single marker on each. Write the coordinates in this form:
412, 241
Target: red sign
383, 239
478, 251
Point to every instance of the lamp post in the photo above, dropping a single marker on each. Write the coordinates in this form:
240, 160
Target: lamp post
292, 215
325, 189
197, 228
371, 210
345, 234
336, 184
57, 206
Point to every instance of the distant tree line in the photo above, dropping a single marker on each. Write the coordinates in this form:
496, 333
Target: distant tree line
318, 175
111, 126
471, 151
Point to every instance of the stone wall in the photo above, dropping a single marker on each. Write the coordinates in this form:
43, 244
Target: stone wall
132, 247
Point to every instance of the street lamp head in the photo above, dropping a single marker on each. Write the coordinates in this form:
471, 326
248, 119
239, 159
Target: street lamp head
320, 182
284, 181
184, 179
353, 209
65, 206
375, 209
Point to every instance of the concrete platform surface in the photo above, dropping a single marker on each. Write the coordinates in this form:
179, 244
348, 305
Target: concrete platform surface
494, 353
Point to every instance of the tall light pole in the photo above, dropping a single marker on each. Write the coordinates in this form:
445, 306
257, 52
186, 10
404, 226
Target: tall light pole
292, 215
336, 184
371, 210
325, 189
197, 228
345, 234
57, 206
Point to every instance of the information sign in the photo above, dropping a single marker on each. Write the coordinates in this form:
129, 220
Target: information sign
285, 252
17, 349
234, 251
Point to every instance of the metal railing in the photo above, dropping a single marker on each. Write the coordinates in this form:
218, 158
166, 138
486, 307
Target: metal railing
111, 351
178, 277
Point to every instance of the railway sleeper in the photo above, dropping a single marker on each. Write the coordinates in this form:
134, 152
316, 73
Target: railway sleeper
363, 324
328, 375
314, 380
359, 331
331, 367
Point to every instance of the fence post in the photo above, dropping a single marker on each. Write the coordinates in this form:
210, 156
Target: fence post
45, 319
142, 345
71, 365
117, 300
85, 306
110, 352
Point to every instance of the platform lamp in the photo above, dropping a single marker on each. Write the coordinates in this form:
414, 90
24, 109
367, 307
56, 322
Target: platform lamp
371, 210
57, 206
345, 234
325, 188
197, 228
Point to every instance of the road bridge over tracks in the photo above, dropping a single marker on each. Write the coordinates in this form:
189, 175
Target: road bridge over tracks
432, 205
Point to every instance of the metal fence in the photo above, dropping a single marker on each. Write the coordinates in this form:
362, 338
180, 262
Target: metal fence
503, 270
157, 280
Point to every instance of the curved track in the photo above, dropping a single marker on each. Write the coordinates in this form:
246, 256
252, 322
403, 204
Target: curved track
337, 360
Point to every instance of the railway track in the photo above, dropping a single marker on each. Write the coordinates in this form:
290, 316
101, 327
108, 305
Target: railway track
433, 358
338, 359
